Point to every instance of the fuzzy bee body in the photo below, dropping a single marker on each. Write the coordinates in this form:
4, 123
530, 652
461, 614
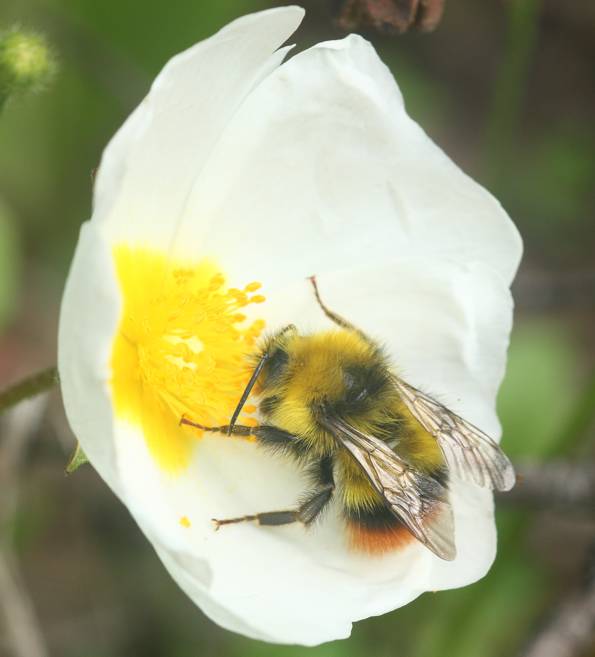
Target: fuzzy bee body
385, 450
341, 374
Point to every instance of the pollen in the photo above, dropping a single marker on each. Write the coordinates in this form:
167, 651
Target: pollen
181, 349
185, 522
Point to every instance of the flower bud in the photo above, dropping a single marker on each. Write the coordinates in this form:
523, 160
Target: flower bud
26, 63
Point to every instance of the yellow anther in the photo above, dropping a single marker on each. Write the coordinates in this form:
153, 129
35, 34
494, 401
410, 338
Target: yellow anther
252, 287
216, 281
181, 350
183, 273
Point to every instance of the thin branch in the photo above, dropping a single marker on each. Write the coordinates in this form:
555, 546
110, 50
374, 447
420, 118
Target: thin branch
21, 628
581, 419
570, 630
390, 16
30, 387
510, 87
556, 484
542, 292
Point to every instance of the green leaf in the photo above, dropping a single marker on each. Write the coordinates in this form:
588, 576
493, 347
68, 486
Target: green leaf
539, 390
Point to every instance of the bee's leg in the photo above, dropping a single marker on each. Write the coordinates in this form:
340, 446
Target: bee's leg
310, 508
334, 317
306, 513
268, 436
236, 430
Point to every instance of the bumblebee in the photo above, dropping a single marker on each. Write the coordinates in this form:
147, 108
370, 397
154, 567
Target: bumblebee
385, 449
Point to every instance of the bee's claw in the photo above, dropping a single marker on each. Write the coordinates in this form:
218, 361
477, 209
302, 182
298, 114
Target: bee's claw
216, 523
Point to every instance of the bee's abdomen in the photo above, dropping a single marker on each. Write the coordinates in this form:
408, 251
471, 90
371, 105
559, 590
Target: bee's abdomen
371, 526
375, 530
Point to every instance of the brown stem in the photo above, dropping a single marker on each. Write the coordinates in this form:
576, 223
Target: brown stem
570, 629
21, 630
556, 484
390, 16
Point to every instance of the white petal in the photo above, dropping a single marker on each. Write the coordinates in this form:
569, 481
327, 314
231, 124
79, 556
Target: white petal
149, 168
322, 169
88, 320
260, 581
279, 584
310, 168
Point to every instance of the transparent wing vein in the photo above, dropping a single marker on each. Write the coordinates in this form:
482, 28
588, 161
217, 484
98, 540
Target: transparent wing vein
470, 454
419, 500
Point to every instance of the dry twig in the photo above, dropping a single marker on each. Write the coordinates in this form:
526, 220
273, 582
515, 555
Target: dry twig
570, 630
556, 484
22, 631
390, 16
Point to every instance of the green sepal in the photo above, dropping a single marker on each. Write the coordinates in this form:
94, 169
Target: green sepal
77, 459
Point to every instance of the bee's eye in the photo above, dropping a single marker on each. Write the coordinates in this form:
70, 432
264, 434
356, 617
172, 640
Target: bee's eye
276, 364
355, 386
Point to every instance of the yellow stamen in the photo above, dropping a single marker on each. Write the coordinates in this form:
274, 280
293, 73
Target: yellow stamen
181, 349
252, 287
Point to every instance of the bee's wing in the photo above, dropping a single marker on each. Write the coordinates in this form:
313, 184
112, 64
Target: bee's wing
419, 500
470, 454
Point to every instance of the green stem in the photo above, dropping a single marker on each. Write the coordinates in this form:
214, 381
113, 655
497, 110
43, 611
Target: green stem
579, 421
510, 85
27, 388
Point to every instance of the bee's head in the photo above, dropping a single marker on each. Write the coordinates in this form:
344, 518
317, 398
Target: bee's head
305, 377
278, 349
363, 384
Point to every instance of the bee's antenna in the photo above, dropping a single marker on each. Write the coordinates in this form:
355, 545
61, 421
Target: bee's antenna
333, 316
247, 391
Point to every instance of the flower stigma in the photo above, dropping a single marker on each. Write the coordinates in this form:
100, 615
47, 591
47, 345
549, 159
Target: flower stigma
181, 349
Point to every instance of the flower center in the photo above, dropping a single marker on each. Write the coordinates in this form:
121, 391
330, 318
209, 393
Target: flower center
181, 348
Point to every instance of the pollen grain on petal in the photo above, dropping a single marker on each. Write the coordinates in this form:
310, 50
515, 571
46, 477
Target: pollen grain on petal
182, 349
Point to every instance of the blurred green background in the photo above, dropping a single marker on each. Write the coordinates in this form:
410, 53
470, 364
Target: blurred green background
507, 89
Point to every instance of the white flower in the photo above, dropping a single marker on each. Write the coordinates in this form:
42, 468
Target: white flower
238, 169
